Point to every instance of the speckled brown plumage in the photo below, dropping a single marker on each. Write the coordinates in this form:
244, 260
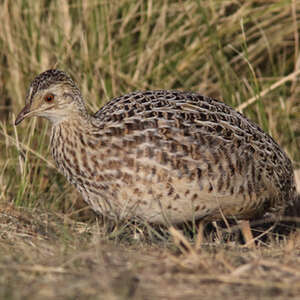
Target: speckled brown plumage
162, 156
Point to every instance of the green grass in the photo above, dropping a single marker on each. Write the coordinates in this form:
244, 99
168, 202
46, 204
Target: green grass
51, 244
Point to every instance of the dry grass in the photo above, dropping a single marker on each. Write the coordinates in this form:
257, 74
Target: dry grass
47, 256
51, 245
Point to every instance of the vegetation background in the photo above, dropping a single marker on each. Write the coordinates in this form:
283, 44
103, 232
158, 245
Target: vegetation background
51, 246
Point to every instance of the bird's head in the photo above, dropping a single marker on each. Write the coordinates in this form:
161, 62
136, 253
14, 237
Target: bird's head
52, 95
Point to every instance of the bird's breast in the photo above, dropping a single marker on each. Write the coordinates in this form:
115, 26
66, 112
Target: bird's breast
159, 173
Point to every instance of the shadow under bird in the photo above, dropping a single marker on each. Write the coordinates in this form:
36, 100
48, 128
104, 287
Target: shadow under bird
162, 156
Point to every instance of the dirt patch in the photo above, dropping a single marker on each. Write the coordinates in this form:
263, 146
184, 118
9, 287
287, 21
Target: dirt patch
44, 256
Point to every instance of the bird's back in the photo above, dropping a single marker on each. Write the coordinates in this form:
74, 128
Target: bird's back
170, 155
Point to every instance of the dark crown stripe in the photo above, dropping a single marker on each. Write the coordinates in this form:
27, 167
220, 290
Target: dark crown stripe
46, 79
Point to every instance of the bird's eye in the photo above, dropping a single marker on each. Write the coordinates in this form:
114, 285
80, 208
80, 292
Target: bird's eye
49, 97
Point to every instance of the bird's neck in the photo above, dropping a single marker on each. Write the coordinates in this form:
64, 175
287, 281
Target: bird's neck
72, 142
72, 128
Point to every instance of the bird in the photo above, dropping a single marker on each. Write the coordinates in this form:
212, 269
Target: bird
162, 156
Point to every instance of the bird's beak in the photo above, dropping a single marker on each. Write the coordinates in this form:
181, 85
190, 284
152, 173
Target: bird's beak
23, 114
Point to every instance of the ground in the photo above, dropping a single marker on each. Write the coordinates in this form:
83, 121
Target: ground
49, 256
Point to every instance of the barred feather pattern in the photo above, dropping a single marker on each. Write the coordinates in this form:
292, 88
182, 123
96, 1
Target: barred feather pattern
171, 156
